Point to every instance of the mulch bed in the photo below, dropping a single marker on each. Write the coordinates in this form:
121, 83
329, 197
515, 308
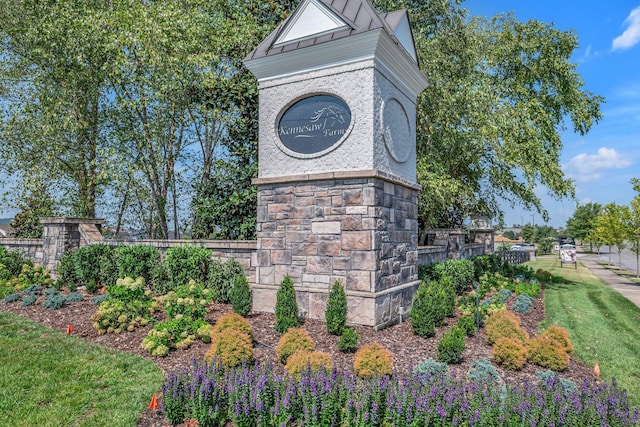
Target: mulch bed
407, 349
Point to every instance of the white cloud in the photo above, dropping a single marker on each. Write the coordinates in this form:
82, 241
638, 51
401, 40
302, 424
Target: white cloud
631, 36
590, 167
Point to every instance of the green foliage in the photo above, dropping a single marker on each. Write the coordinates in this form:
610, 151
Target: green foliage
36, 203
189, 300
241, 298
74, 297
28, 300
128, 290
126, 307
451, 345
12, 261
222, 276
97, 300
483, 372
431, 368
286, 307
136, 261
55, 302
459, 272
94, 263
66, 269
467, 324
336, 314
160, 279
348, 341
91, 288
522, 304
185, 263
179, 332
582, 221
486, 264
12, 298
432, 302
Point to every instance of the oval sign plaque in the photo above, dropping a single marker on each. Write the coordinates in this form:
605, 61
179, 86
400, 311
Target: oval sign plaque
314, 124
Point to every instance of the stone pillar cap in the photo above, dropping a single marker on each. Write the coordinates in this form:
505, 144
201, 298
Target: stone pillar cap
71, 220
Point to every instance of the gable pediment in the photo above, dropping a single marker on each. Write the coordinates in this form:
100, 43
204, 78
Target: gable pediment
311, 19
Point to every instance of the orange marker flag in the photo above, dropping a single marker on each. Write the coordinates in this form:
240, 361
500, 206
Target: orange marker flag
154, 402
69, 329
596, 369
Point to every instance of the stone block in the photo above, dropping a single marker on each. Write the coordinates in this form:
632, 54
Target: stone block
329, 227
320, 281
317, 305
329, 248
319, 265
305, 201
271, 243
356, 240
359, 281
281, 257
264, 300
263, 258
363, 260
266, 276
342, 263
357, 210
352, 222
352, 197
361, 311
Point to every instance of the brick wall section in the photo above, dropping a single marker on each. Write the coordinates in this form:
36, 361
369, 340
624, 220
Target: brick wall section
359, 230
29, 248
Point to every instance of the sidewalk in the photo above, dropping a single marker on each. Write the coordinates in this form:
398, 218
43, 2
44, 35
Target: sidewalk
625, 287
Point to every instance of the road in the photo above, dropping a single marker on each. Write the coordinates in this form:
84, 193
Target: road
628, 258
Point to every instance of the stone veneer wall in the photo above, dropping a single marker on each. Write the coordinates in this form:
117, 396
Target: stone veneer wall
29, 248
359, 228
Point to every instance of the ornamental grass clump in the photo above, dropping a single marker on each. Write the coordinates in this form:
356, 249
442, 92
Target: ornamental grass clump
509, 353
371, 360
504, 324
231, 347
305, 360
547, 352
294, 340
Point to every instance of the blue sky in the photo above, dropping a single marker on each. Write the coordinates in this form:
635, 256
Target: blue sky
608, 58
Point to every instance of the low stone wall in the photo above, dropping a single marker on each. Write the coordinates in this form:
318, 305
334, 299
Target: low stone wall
428, 255
30, 248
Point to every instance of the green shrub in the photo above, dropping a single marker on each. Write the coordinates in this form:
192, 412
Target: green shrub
568, 386
128, 290
503, 295
66, 270
522, 304
97, 300
295, 339
510, 353
531, 288
136, 261
302, 360
50, 292
12, 298
432, 302
483, 372
348, 342
486, 264
467, 324
179, 332
189, 300
12, 261
74, 297
336, 314
286, 307
431, 368
222, 278
231, 347
55, 302
160, 282
543, 276
241, 299
371, 360
451, 345
28, 300
95, 263
185, 263
460, 272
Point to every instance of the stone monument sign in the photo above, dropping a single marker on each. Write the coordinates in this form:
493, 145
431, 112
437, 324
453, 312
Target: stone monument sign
337, 192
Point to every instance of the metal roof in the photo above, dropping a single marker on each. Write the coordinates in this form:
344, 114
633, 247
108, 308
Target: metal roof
359, 15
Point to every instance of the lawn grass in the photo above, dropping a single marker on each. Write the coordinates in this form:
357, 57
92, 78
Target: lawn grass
602, 323
52, 379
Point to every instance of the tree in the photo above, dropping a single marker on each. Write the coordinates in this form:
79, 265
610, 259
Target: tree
545, 236
527, 232
35, 204
611, 228
581, 223
489, 122
634, 225
53, 109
